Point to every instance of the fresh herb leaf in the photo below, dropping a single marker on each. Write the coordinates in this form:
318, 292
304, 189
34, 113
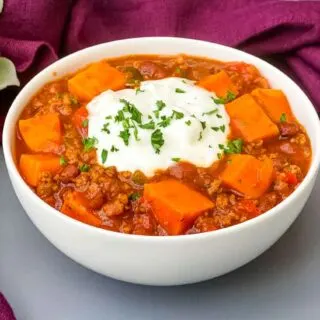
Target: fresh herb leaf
234, 146
63, 161
283, 118
184, 81
149, 117
200, 136
223, 128
203, 124
210, 112
85, 123
176, 159
125, 135
160, 104
215, 128
104, 155
210, 146
119, 117
136, 115
148, 125
221, 146
157, 140
219, 116
135, 133
156, 113
176, 114
178, 90
138, 90
114, 149
84, 168
228, 98
105, 128
134, 196
188, 123
219, 155
108, 117
89, 143
165, 122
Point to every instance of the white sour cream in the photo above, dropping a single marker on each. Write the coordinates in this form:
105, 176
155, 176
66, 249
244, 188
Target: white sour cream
197, 126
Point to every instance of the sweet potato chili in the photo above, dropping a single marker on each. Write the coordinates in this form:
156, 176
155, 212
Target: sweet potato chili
266, 157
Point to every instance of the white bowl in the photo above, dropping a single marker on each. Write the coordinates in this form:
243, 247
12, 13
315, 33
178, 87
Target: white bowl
162, 260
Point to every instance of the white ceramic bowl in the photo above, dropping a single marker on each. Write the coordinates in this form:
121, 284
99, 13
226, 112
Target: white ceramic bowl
162, 260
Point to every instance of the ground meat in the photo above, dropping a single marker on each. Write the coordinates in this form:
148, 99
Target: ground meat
94, 195
82, 181
214, 186
68, 173
288, 129
268, 201
144, 224
280, 185
222, 201
46, 186
299, 139
151, 70
255, 147
117, 206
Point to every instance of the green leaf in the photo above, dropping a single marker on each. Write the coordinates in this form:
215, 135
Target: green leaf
283, 118
8, 75
234, 146
176, 159
84, 168
228, 98
188, 123
125, 135
114, 149
89, 143
148, 125
157, 140
178, 90
210, 112
134, 196
104, 155
176, 114
85, 123
63, 161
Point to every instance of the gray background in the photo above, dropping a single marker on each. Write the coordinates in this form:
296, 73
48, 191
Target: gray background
41, 283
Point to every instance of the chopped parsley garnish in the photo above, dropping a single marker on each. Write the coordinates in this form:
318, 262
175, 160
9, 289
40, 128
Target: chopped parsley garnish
89, 143
134, 196
63, 161
200, 136
119, 117
125, 135
157, 140
283, 118
135, 133
176, 114
221, 146
222, 128
160, 104
215, 128
85, 123
203, 124
105, 128
148, 125
84, 168
229, 97
219, 116
178, 90
104, 155
108, 117
165, 122
210, 112
156, 113
210, 146
114, 149
234, 146
176, 159
219, 155
136, 115
188, 123
138, 90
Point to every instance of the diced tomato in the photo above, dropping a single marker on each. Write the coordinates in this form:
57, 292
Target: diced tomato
79, 120
291, 178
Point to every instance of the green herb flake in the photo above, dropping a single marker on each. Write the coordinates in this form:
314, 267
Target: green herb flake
228, 98
222, 128
85, 123
157, 140
165, 122
188, 123
221, 146
108, 117
134, 196
89, 143
210, 112
176, 159
210, 146
84, 168
135, 133
125, 135
105, 128
119, 117
234, 146
219, 155
178, 90
73, 100
160, 105
114, 149
200, 136
63, 161
219, 116
156, 113
104, 155
138, 90
176, 114
203, 124
148, 125
215, 128
283, 118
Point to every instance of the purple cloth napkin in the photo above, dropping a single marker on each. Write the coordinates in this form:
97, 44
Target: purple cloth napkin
34, 33
5, 310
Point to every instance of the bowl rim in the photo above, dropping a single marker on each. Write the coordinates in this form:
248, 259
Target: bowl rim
282, 206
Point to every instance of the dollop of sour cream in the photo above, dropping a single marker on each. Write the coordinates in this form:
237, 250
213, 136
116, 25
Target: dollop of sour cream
152, 127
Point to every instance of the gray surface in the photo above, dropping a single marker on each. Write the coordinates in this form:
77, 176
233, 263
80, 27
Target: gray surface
41, 283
